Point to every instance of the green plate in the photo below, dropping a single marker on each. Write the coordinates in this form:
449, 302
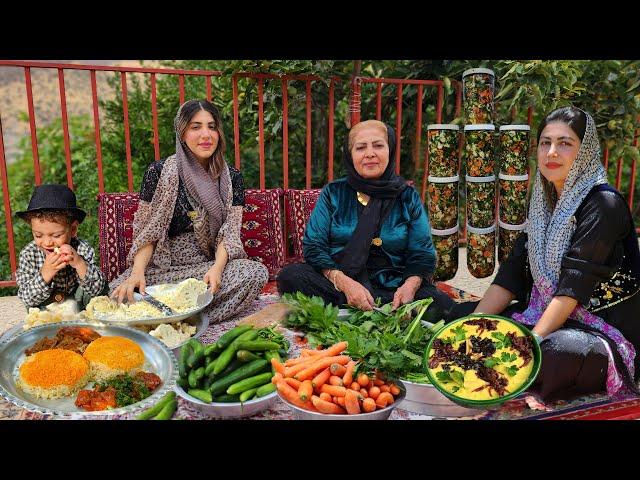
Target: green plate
494, 402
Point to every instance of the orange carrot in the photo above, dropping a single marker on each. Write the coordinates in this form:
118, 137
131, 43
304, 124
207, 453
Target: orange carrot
321, 364
326, 407
384, 388
307, 352
339, 401
305, 390
293, 383
293, 369
348, 374
278, 366
384, 399
334, 350
368, 405
326, 396
277, 376
364, 393
377, 382
363, 379
335, 380
394, 390
321, 378
291, 395
338, 370
333, 390
351, 403
374, 392
355, 386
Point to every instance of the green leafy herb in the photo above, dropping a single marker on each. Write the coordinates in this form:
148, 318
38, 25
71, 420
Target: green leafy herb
502, 340
452, 376
507, 357
269, 333
491, 362
512, 370
129, 390
460, 333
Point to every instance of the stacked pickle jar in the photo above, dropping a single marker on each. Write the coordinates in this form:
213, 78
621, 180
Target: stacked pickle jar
442, 192
514, 183
478, 86
481, 198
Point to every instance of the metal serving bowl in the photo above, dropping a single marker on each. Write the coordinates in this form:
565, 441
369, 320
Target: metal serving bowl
426, 399
382, 414
229, 409
492, 403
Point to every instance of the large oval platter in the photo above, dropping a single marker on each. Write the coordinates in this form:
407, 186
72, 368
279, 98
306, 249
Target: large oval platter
158, 360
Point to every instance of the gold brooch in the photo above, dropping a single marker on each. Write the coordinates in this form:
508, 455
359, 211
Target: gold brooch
377, 241
361, 199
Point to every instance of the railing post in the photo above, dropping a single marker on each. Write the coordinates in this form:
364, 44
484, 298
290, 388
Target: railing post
354, 102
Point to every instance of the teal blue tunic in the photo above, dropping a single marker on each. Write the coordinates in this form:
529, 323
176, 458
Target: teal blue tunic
405, 234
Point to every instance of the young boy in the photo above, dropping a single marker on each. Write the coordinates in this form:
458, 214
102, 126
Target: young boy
56, 264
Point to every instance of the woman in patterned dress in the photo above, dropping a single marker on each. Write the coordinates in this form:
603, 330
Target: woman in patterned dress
188, 221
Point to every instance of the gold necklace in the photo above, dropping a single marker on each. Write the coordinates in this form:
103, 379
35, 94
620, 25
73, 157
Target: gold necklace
361, 199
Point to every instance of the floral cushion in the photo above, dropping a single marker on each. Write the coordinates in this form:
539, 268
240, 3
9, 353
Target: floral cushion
298, 207
261, 230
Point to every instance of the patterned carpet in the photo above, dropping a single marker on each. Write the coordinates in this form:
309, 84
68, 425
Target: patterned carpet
527, 406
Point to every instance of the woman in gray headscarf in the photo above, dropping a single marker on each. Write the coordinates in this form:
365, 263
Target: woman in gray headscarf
576, 272
188, 220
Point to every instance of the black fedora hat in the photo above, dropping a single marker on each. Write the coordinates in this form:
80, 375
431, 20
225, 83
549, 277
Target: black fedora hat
53, 197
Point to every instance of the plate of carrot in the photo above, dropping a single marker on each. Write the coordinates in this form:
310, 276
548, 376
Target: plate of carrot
324, 384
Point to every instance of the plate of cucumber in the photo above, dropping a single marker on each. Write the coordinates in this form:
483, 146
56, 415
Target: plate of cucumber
231, 378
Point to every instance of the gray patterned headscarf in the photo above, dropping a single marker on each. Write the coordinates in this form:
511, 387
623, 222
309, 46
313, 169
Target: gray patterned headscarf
210, 194
550, 230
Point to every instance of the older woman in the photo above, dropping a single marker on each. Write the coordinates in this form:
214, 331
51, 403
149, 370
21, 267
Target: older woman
368, 236
188, 220
576, 274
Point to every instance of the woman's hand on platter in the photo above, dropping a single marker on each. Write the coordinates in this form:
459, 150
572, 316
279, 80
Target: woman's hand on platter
406, 292
213, 278
126, 288
357, 295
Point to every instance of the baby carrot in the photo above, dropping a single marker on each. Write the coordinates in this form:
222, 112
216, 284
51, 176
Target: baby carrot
355, 386
384, 399
321, 378
339, 401
277, 376
394, 390
338, 370
374, 392
364, 393
347, 379
293, 383
326, 396
326, 407
278, 366
384, 388
333, 390
335, 380
321, 364
363, 380
291, 395
351, 403
305, 390
368, 405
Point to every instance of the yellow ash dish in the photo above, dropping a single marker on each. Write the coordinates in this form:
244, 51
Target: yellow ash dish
482, 360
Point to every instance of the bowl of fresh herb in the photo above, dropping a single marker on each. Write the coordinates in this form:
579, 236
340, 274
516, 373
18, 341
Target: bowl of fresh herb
481, 361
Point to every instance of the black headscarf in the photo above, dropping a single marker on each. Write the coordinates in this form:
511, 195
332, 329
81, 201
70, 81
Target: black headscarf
382, 192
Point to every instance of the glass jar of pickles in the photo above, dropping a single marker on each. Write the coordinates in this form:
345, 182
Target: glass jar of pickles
478, 86
479, 153
507, 235
481, 251
446, 245
443, 201
442, 150
513, 198
481, 201
514, 149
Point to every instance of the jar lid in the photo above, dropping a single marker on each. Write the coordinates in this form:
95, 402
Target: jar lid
489, 178
455, 178
514, 178
444, 233
481, 231
480, 126
471, 71
514, 127
443, 126
508, 226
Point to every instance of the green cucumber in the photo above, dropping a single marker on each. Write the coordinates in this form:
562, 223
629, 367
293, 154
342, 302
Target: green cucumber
157, 408
248, 383
183, 383
211, 349
265, 389
227, 398
258, 345
247, 370
246, 355
224, 341
203, 395
167, 411
197, 353
182, 364
209, 368
229, 353
247, 394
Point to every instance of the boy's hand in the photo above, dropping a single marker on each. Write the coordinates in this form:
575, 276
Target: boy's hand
71, 256
53, 262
